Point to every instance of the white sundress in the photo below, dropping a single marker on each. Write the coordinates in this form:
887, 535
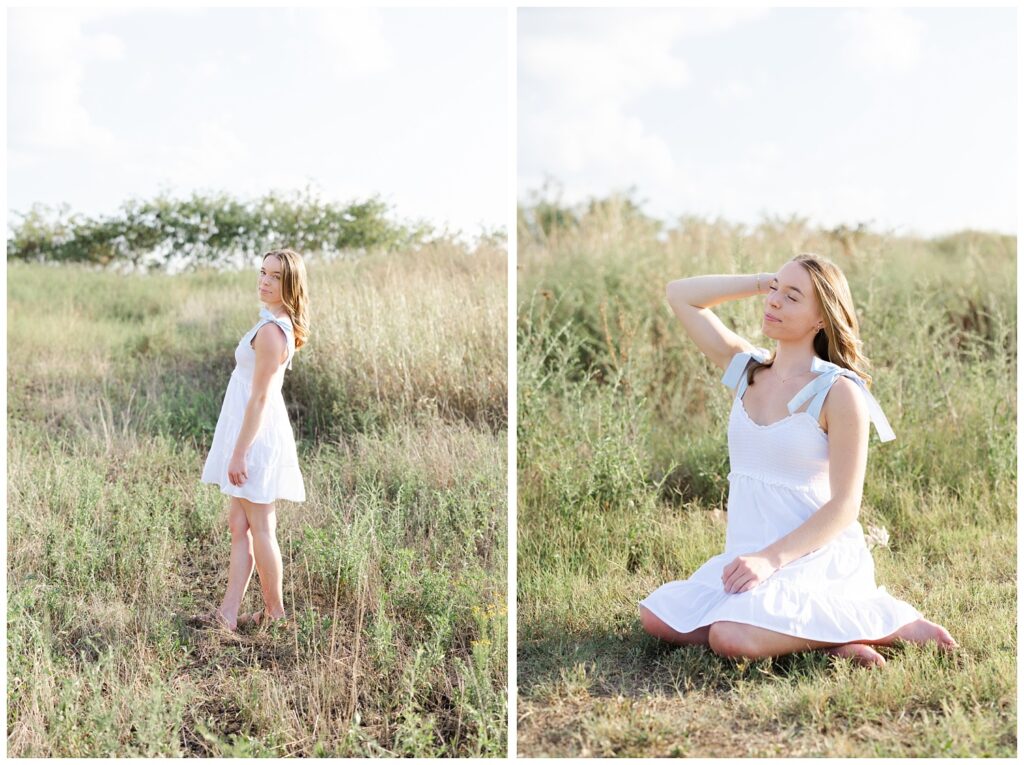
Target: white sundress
778, 478
272, 464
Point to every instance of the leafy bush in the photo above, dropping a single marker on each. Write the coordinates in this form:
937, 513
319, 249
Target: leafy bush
207, 230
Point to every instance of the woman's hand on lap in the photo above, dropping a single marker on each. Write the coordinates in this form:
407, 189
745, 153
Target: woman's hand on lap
745, 572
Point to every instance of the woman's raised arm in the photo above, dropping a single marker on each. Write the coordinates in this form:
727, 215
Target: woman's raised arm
691, 299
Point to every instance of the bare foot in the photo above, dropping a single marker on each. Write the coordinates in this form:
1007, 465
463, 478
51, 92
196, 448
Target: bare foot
259, 618
923, 631
215, 618
247, 618
860, 653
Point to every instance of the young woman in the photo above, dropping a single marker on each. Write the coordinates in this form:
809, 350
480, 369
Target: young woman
796, 573
253, 457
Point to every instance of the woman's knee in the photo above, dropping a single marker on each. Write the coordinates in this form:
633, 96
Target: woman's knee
238, 523
657, 628
261, 517
729, 639
652, 624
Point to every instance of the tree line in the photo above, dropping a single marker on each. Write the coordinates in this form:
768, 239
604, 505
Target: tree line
213, 230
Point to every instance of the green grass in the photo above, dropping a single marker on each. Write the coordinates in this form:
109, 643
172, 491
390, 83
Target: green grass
622, 461
395, 566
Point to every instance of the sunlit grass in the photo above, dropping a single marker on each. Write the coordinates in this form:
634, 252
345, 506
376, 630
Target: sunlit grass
623, 459
394, 566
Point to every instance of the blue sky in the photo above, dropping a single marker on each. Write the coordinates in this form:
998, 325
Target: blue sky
104, 104
901, 118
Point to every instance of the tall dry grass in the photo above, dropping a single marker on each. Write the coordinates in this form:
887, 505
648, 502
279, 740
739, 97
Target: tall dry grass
622, 459
394, 566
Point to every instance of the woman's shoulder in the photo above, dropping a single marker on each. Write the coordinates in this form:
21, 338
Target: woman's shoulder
284, 322
272, 340
740, 362
845, 399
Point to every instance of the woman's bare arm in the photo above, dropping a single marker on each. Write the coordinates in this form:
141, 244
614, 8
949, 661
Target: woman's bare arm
849, 421
691, 299
269, 345
849, 426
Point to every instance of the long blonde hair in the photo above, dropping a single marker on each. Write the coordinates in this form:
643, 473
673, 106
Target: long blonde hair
294, 292
839, 340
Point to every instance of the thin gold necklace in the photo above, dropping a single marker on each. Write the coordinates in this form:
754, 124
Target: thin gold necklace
784, 379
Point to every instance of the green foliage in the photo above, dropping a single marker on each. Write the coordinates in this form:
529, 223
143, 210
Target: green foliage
207, 230
622, 461
394, 567
547, 216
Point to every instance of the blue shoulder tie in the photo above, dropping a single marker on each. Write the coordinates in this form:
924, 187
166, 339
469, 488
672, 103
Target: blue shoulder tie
816, 390
734, 377
284, 323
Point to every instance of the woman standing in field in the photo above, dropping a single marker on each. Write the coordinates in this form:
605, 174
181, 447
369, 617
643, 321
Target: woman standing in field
253, 457
796, 573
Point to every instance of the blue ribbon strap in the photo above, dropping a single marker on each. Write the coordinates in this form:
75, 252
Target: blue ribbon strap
284, 323
816, 390
734, 376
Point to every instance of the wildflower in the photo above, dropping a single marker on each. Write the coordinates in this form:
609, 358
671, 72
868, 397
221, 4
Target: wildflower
877, 536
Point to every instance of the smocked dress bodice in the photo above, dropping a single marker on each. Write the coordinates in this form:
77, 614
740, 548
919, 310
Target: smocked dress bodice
245, 354
272, 457
778, 479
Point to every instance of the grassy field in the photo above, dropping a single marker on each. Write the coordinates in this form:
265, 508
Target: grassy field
622, 461
394, 567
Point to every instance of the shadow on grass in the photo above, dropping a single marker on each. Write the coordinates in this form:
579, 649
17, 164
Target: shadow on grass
633, 664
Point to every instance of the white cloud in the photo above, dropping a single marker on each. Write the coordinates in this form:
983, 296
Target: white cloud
354, 40
765, 153
627, 59
703, 21
210, 68
731, 92
215, 158
21, 160
582, 85
604, 141
882, 40
210, 118
143, 81
581, 74
856, 136
48, 53
216, 145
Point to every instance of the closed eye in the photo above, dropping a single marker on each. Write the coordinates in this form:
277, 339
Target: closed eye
773, 288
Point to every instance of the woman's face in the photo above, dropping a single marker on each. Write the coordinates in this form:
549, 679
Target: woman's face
271, 273
792, 304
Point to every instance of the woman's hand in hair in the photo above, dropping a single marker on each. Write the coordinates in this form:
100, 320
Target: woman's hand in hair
746, 572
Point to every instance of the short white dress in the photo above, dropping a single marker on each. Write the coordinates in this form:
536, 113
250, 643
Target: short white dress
272, 463
778, 478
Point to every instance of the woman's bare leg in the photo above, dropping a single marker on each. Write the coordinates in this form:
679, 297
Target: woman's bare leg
860, 653
747, 641
656, 627
263, 525
921, 631
240, 565
735, 639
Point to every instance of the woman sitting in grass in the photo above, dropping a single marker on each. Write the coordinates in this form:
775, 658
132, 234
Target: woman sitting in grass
796, 573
